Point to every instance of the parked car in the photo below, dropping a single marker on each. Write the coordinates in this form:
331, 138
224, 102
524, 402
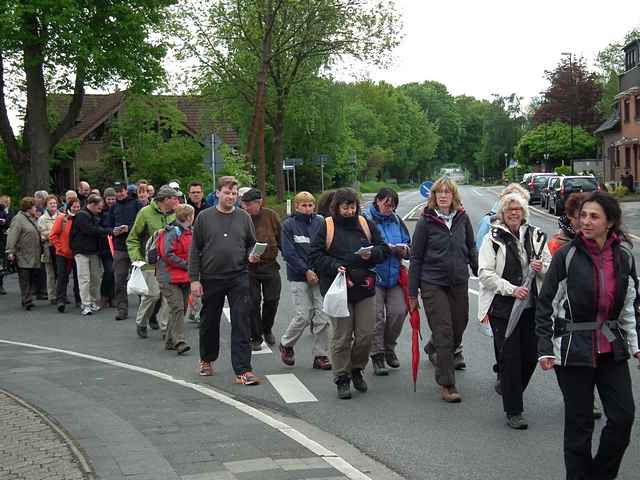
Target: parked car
565, 187
533, 183
544, 193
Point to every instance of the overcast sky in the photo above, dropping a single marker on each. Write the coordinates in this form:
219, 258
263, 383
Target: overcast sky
480, 47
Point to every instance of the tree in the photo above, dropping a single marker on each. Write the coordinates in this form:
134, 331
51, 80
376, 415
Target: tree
48, 45
554, 138
572, 96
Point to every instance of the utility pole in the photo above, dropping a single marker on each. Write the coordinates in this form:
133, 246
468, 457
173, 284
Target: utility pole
572, 99
213, 160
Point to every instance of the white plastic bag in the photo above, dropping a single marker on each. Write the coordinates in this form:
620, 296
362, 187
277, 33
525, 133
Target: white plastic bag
335, 300
137, 285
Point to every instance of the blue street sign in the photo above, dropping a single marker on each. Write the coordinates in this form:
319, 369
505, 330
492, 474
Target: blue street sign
425, 188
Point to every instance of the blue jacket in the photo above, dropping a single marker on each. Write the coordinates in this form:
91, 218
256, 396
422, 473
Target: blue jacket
393, 231
485, 225
298, 232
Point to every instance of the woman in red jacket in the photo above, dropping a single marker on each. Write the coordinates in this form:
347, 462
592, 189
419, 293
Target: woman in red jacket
59, 238
173, 250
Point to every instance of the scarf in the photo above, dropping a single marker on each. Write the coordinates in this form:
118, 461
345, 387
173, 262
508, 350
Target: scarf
565, 225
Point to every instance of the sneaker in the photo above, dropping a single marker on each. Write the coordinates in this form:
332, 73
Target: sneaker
358, 380
181, 348
206, 368
121, 316
392, 359
94, 308
344, 389
61, 307
247, 378
379, 368
256, 345
153, 323
517, 422
86, 310
322, 363
28, 307
270, 339
286, 355
141, 331
169, 346
458, 361
450, 394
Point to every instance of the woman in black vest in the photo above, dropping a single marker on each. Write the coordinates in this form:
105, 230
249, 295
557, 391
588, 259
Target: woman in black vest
509, 251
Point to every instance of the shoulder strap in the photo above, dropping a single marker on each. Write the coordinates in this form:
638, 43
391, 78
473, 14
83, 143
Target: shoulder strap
331, 228
568, 258
365, 227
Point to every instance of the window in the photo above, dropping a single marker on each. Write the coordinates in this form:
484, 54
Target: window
617, 157
97, 135
627, 157
627, 115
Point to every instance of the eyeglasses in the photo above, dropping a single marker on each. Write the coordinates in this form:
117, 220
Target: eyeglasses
514, 210
444, 192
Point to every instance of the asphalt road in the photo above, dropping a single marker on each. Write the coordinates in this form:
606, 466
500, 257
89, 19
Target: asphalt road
415, 434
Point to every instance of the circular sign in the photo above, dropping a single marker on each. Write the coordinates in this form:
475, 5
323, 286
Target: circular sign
425, 188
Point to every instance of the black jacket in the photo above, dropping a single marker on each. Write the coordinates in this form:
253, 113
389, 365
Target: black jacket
123, 213
574, 297
439, 255
348, 238
87, 236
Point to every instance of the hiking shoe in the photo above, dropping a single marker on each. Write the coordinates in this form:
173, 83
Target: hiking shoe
270, 339
121, 316
169, 346
392, 359
321, 363
61, 307
181, 348
287, 355
94, 308
28, 307
141, 331
344, 389
206, 368
517, 422
86, 310
458, 361
450, 394
379, 368
247, 378
358, 381
256, 345
153, 323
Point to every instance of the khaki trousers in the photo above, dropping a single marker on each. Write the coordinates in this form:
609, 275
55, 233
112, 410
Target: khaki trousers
89, 278
391, 310
176, 296
353, 337
307, 304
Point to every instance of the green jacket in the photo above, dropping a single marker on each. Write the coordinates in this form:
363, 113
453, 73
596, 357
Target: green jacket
148, 221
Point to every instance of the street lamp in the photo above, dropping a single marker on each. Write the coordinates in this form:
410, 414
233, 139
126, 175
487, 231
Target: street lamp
546, 121
572, 105
506, 160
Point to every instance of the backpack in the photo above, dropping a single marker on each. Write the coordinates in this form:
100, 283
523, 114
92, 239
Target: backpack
331, 229
155, 245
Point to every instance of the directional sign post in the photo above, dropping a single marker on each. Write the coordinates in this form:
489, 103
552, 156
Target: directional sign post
322, 159
425, 188
293, 163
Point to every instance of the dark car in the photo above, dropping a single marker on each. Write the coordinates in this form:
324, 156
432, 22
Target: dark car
533, 183
565, 187
546, 190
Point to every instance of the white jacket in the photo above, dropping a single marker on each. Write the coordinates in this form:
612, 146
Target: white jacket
491, 266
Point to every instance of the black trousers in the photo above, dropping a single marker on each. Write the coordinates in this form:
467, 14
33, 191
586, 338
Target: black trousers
62, 280
121, 266
518, 357
236, 289
28, 279
265, 286
447, 311
614, 387
108, 283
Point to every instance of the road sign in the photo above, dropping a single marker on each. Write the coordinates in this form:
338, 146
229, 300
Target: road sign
295, 162
425, 188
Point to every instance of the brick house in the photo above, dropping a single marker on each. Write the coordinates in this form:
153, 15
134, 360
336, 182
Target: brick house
93, 132
620, 133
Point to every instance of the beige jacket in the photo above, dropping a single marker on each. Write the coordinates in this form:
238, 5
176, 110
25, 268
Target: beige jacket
23, 241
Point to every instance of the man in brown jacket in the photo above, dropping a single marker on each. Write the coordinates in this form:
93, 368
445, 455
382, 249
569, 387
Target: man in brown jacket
264, 276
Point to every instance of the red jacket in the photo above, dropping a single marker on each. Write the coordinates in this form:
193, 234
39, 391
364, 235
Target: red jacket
174, 248
60, 233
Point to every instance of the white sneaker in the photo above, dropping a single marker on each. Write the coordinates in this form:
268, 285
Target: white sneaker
86, 310
94, 308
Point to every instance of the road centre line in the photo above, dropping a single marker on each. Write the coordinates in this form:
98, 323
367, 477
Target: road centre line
290, 388
327, 455
476, 192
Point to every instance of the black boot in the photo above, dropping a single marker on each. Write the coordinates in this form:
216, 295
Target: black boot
379, 367
344, 389
358, 381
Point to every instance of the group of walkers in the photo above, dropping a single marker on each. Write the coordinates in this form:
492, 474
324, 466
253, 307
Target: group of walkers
575, 311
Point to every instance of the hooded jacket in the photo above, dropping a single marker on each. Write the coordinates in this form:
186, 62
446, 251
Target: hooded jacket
441, 255
87, 235
149, 220
298, 231
393, 232
174, 259
573, 296
60, 235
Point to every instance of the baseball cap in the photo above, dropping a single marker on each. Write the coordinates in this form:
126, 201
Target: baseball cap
251, 195
166, 191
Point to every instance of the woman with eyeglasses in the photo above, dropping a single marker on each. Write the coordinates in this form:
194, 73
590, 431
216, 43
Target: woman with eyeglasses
443, 249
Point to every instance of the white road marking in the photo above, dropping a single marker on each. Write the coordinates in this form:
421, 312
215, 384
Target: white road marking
291, 389
420, 205
317, 449
227, 313
476, 192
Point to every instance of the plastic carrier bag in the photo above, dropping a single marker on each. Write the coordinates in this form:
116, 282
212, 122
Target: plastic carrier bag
335, 300
137, 285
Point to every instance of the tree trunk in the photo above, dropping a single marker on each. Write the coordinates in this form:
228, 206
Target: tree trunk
278, 146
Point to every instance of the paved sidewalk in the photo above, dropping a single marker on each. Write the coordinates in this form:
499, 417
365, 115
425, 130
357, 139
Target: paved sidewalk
32, 447
135, 426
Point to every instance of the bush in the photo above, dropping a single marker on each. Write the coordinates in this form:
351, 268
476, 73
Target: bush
619, 191
563, 170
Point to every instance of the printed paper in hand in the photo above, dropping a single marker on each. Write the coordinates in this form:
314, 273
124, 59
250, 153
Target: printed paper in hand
258, 249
